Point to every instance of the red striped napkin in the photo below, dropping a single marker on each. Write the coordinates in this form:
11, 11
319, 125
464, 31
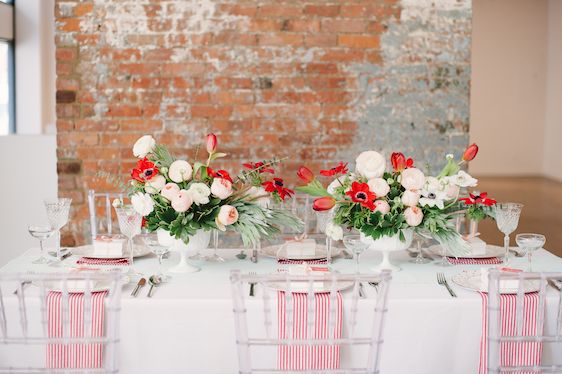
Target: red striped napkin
102, 261
475, 261
299, 262
309, 357
74, 355
512, 353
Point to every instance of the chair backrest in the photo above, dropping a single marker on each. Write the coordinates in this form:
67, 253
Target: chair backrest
362, 322
534, 330
54, 325
101, 201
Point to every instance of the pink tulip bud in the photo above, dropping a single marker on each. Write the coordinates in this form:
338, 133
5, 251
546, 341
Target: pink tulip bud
211, 143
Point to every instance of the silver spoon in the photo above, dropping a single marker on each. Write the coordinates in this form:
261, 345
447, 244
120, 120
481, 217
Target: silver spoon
154, 280
241, 255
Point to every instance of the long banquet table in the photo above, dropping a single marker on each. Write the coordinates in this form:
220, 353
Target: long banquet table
188, 327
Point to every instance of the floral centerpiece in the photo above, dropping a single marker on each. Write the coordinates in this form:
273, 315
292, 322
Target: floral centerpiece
383, 204
183, 197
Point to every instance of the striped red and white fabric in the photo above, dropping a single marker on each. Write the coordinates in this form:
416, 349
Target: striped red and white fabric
309, 357
299, 262
75, 355
512, 353
475, 261
103, 261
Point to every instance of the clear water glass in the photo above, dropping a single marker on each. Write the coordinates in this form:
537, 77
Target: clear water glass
356, 246
57, 215
159, 250
130, 222
322, 220
215, 257
41, 233
529, 243
507, 219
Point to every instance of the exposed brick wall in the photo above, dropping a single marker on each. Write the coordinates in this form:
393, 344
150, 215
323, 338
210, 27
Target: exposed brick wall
315, 81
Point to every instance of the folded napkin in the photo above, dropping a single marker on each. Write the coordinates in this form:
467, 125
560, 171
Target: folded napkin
298, 262
102, 261
475, 261
74, 355
304, 357
512, 353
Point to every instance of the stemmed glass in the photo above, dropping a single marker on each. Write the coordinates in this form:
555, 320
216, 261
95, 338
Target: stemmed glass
159, 250
420, 259
42, 233
507, 219
530, 243
215, 257
322, 220
130, 222
356, 246
57, 215
444, 260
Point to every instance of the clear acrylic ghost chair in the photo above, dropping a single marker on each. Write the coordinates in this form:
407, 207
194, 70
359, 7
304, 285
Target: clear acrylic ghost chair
103, 200
28, 342
547, 340
362, 320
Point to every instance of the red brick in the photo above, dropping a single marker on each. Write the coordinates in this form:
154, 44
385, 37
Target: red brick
322, 10
359, 41
279, 39
279, 10
343, 26
210, 111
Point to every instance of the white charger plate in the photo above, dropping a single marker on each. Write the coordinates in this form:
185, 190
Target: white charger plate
139, 250
470, 280
275, 251
491, 251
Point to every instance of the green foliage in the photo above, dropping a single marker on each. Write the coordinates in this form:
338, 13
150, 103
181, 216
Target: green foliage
314, 188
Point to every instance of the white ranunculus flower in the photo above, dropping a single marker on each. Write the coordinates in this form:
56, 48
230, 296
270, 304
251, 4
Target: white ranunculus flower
180, 171
221, 188
412, 179
155, 184
451, 189
463, 179
142, 203
410, 198
199, 193
379, 186
370, 164
333, 231
143, 146
261, 194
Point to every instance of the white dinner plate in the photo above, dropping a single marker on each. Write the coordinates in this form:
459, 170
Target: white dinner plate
278, 251
80, 286
491, 251
139, 250
471, 280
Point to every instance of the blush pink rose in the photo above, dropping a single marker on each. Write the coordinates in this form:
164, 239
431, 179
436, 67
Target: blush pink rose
382, 206
221, 188
414, 216
227, 216
182, 201
410, 198
170, 190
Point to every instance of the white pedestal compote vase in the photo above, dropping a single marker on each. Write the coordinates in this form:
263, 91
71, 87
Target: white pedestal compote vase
386, 245
197, 242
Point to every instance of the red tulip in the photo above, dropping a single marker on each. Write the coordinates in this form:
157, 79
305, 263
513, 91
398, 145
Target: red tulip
305, 174
323, 203
470, 152
211, 143
398, 161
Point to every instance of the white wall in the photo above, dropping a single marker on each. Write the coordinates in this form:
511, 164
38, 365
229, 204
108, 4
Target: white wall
28, 176
509, 56
553, 125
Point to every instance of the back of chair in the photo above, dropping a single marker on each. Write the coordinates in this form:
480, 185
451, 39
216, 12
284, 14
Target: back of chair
101, 201
527, 331
363, 335
39, 324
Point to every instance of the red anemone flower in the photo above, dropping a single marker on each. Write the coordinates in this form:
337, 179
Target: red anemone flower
481, 198
399, 161
341, 168
276, 186
144, 171
360, 193
305, 174
259, 167
219, 174
323, 203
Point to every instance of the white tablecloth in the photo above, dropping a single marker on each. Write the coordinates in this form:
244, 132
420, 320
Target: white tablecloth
187, 327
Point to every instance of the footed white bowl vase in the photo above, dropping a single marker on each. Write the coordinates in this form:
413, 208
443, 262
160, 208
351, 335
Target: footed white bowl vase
386, 245
198, 241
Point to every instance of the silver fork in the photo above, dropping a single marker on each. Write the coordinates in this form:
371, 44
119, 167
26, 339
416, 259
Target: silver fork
361, 291
252, 284
443, 282
375, 284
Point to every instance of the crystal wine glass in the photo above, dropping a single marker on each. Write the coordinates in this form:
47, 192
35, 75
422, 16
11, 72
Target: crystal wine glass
356, 246
130, 225
42, 233
215, 257
530, 243
159, 250
57, 215
420, 259
507, 219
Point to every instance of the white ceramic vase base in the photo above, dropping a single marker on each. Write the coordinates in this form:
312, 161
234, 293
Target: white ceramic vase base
385, 264
183, 267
